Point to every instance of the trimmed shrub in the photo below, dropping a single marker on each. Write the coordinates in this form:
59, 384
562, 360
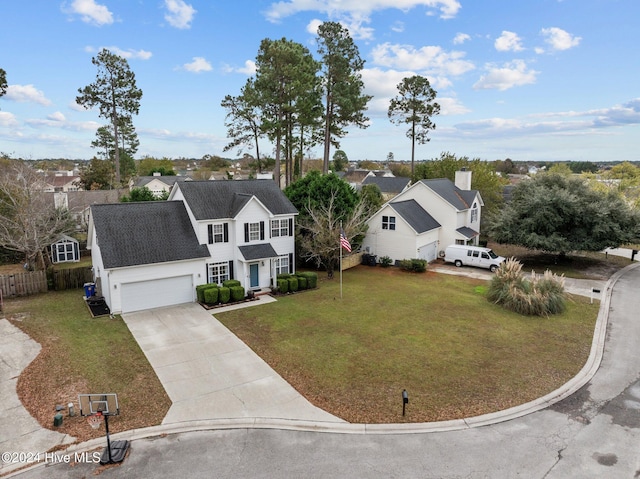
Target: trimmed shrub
536, 296
200, 291
211, 294
414, 265
385, 261
312, 278
224, 295
237, 293
302, 282
293, 284
283, 285
283, 276
231, 282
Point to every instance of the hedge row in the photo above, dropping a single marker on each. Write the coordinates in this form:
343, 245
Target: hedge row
214, 294
289, 283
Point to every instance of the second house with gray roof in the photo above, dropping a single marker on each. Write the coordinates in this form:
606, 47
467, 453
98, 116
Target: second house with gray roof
425, 218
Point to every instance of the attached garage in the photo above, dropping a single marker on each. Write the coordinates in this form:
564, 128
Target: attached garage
157, 293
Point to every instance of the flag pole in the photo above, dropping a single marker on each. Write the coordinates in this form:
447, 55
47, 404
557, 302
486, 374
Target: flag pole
341, 262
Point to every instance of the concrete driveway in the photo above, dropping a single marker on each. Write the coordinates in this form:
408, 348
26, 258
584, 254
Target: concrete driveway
209, 373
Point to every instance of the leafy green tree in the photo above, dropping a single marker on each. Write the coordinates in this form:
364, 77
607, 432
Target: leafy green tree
287, 84
415, 105
244, 119
326, 203
143, 194
390, 156
560, 169
340, 160
483, 177
149, 165
3, 82
344, 101
105, 143
372, 196
559, 214
97, 175
115, 94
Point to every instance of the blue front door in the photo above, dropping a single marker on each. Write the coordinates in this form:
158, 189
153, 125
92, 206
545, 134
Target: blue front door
253, 275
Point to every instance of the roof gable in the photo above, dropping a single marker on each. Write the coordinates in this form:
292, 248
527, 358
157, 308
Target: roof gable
415, 215
447, 190
131, 234
225, 199
388, 184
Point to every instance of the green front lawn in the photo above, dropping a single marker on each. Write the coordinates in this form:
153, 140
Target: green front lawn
434, 335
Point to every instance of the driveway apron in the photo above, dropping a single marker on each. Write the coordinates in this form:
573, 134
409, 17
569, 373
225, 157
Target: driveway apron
209, 373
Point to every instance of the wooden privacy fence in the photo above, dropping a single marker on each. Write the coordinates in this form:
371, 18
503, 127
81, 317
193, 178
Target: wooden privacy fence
34, 282
71, 278
351, 260
23, 284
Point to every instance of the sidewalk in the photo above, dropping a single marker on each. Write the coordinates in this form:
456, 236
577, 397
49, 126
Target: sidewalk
19, 431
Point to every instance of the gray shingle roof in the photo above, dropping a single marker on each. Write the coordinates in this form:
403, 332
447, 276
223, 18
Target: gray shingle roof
460, 199
169, 180
415, 215
223, 199
467, 232
388, 184
258, 251
131, 234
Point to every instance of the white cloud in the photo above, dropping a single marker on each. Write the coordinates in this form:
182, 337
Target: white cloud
430, 59
313, 25
398, 27
179, 14
511, 74
336, 8
7, 119
25, 94
130, 53
460, 38
198, 65
56, 116
91, 12
559, 39
249, 68
508, 42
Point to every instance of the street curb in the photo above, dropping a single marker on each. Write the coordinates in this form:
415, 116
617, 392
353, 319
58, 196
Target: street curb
578, 381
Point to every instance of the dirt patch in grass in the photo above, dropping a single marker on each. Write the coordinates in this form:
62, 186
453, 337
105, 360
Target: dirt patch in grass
83, 355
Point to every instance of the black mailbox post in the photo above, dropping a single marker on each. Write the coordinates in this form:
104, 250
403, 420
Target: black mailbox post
405, 400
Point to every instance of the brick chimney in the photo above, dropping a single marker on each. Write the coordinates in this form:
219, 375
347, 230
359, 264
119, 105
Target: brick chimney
463, 179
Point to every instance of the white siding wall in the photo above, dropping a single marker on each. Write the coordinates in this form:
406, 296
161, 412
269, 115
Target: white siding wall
397, 244
116, 277
100, 276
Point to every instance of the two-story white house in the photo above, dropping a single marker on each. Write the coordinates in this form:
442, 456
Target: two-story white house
151, 254
424, 219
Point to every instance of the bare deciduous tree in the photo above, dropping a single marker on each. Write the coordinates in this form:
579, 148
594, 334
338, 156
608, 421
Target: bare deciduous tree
29, 222
320, 232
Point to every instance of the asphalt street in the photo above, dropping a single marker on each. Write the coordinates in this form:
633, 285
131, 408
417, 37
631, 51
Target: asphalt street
594, 433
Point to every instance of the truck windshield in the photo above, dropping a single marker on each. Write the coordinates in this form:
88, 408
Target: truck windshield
492, 254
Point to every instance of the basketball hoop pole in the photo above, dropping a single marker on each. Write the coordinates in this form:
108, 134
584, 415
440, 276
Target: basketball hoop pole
106, 427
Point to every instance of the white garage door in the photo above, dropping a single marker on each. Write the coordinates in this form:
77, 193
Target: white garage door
428, 252
156, 293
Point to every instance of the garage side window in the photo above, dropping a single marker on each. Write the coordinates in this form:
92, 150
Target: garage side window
388, 222
218, 272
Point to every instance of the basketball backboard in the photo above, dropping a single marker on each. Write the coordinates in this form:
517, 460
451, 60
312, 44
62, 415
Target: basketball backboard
107, 404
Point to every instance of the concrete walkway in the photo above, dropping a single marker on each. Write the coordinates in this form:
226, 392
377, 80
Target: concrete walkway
209, 373
19, 431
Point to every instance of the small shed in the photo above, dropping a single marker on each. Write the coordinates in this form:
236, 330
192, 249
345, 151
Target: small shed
65, 250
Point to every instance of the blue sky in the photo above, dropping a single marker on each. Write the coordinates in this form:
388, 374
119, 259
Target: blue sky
544, 80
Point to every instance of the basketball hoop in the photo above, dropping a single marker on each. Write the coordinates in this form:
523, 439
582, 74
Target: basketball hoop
95, 420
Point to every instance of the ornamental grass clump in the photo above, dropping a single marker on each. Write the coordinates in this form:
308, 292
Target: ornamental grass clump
534, 296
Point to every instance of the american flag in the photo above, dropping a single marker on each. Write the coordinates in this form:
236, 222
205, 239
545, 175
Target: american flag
344, 242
